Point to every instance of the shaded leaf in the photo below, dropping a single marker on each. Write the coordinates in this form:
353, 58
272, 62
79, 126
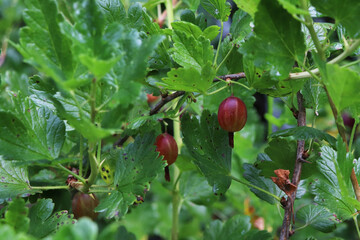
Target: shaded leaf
275, 47
305, 133
252, 175
316, 216
219, 9
33, 134
14, 181
136, 166
342, 84
83, 229
345, 12
16, 215
208, 145
43, 222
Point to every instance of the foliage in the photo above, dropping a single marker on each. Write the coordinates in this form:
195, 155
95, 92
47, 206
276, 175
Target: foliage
74, 116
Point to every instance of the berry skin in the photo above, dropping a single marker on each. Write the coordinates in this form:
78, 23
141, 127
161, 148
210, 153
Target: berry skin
167, 147
83, 205
232, 116
151, 98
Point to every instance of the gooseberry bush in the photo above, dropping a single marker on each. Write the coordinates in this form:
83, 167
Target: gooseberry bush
87, 86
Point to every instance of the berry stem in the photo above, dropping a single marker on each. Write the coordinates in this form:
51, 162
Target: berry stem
231, 139
167, 174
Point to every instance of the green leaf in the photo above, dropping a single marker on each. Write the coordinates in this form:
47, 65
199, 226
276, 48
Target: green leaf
333, 190
252, 175
314, 95
240, 26
16, 215
191, 52
115, 231
193, 4
188, 28
7, 232
211, 32
249, 6
219, 9
14, 181
342, 84
198, 191
237, 227
292, 7
83, 229
113, 10
136, 166
208, 145
281, 154
305, 133
278, 40
42, 44
345, 12
189, 79
316, 216
42, 223
33, 134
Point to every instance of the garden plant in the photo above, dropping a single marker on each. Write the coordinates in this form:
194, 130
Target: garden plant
179, 119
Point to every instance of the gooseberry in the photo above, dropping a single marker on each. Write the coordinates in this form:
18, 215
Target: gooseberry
83, 205
232, 115
167, 147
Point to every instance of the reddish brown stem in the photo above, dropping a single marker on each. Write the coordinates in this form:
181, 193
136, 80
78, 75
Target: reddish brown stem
301, 119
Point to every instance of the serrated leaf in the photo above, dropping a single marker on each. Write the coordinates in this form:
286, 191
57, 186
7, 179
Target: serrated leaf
14, 181
42, 43
219, 9
189, 79
33, 134
83, 229
16, 215
342, 85
275, 47
305, 133
190, 52
114, 10
237, 227
208, 145
42, 223
136, 166
252, 175
198, 191
333, 190
345, 12
316, 216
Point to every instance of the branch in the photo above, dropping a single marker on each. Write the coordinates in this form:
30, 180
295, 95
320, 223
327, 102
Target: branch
289, 205
341, 129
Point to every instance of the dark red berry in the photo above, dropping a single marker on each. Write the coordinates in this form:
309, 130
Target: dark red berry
167, 147
232, 116
83, 205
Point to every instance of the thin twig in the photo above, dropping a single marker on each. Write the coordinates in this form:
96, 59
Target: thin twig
301, 119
